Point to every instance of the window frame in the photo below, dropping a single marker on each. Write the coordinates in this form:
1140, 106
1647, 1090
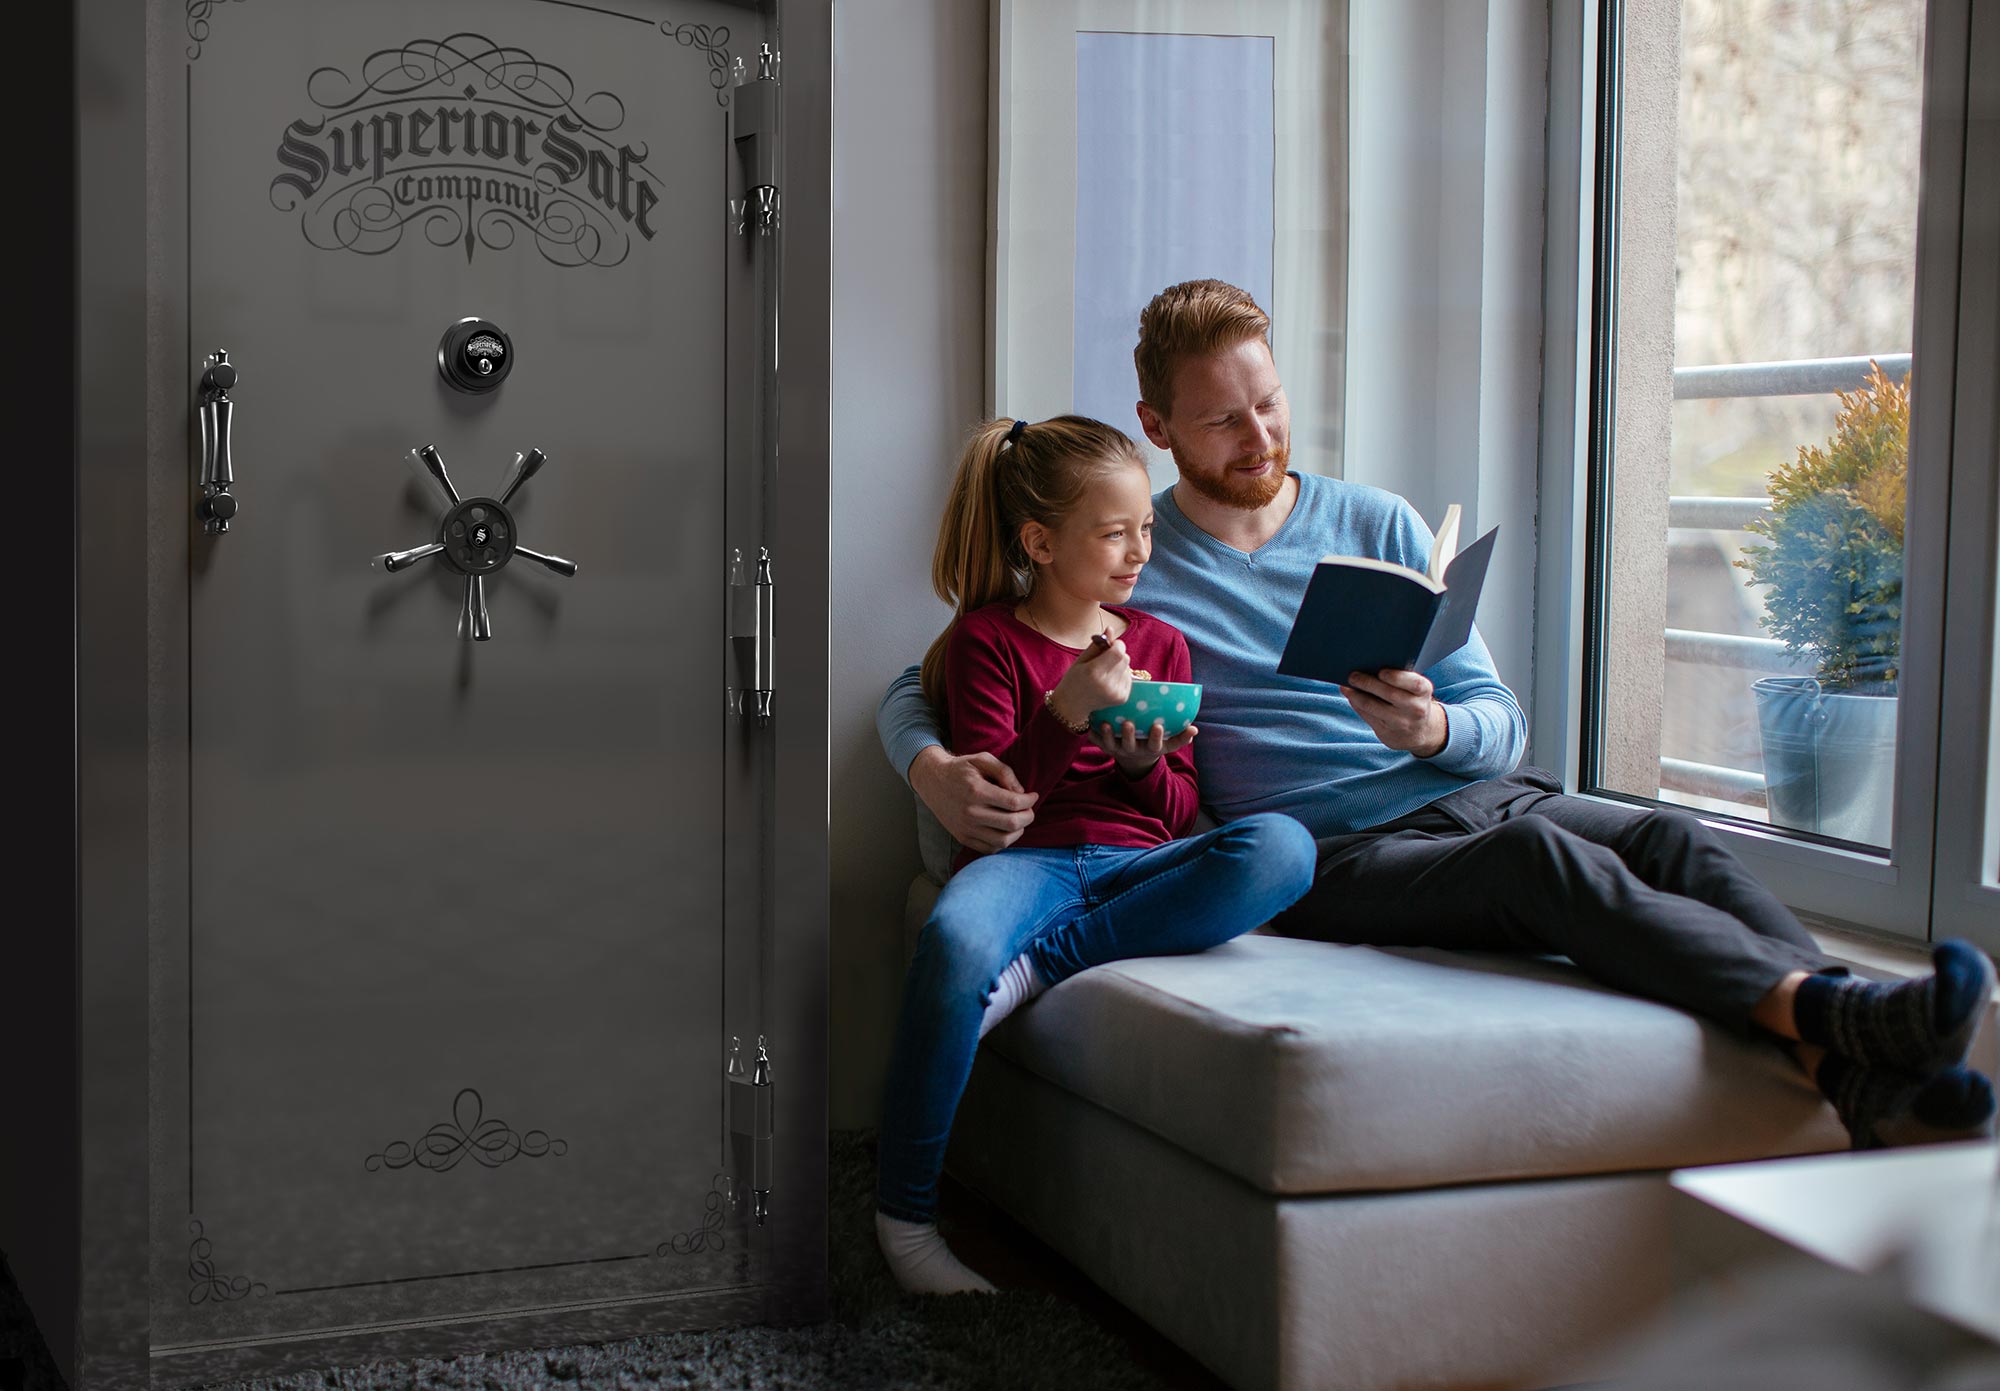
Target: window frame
1966, 896
1896, 892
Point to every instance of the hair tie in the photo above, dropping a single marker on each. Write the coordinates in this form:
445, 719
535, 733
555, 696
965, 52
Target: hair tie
1015, 433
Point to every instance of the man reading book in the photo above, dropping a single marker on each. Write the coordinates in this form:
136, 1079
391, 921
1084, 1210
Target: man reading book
1428, 833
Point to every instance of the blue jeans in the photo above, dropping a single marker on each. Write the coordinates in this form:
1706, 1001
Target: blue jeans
1066, 910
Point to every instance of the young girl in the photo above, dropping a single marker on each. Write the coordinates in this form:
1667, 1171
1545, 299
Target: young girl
1045, 533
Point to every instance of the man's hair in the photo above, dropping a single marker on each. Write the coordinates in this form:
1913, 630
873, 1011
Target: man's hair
1195, 317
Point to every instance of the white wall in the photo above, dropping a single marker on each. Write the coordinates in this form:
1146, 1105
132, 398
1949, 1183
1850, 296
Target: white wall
1447, 107
1448, 103
1503, 469
909, 357
1394, 196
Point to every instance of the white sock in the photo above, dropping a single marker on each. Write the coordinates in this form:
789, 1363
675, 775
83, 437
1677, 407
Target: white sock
1017, 985
920, 1260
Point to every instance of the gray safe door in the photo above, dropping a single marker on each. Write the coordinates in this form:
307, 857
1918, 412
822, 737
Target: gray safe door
470, 923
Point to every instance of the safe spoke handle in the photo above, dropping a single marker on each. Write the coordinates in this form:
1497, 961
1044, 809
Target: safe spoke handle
474, 621
433, 463
565, 568
397, 561
526, 466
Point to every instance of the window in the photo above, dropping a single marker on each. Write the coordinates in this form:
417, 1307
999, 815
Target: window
1789, 394
1142, 142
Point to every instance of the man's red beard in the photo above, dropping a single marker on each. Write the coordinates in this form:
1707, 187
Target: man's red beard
1227, 488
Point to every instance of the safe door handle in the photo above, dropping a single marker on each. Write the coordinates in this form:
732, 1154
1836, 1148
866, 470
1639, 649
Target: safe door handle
218, 474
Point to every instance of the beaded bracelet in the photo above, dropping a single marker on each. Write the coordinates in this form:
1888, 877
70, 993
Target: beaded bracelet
1049, 699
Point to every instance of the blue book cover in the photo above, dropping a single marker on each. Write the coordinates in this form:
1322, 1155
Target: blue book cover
1360, 614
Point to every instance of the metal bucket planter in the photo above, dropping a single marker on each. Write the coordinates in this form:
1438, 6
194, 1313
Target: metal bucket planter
1829, 758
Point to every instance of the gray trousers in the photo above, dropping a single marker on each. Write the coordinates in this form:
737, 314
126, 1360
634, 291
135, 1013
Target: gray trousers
1645, 900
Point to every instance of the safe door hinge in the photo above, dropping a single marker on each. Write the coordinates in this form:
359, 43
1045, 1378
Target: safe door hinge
750, 1124
753, 118
751, 610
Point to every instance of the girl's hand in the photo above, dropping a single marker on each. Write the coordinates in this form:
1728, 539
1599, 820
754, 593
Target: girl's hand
1100, 676
1135, 756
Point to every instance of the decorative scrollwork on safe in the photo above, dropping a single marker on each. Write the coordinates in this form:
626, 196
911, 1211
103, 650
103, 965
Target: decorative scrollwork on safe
707, 1235
369, 221
207, 1284
198, 12
712, 40
465, 63
469, 1132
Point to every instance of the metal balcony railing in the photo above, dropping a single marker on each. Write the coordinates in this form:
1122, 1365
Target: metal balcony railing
1805, 377
1812, 376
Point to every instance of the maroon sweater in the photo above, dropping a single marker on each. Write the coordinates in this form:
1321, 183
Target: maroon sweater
996, 669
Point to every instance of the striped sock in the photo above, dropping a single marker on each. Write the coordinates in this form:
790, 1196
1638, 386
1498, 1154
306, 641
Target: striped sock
1883, 1108
1915, 1025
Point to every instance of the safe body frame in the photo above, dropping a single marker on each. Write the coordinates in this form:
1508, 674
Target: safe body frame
76, 1197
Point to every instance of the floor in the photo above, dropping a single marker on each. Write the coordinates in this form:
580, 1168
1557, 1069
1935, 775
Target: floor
1012, 1257
983, 1236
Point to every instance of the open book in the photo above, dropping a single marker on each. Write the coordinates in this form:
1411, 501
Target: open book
1360, 614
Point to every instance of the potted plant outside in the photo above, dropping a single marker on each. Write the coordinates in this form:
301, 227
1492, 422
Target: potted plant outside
1833, 571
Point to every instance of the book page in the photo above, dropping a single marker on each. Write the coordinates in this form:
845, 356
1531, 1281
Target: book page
1369, 562
1445, 547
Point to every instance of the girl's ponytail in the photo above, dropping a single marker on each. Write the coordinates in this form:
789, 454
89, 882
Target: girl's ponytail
975, 560
1011, 473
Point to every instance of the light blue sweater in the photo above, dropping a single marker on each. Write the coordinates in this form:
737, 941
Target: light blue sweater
1281, 743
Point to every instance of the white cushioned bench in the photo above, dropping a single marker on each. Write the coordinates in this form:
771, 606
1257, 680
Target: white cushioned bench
1313, 1165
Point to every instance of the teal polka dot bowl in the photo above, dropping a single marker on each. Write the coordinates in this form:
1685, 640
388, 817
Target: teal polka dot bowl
1172, 702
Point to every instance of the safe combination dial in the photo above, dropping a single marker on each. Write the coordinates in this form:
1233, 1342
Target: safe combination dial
476, 537
475, 355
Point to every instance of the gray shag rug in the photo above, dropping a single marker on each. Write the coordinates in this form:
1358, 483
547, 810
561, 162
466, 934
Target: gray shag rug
876, 1337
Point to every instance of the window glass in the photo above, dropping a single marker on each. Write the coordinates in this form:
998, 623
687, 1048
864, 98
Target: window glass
1174, 181
1752, 528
